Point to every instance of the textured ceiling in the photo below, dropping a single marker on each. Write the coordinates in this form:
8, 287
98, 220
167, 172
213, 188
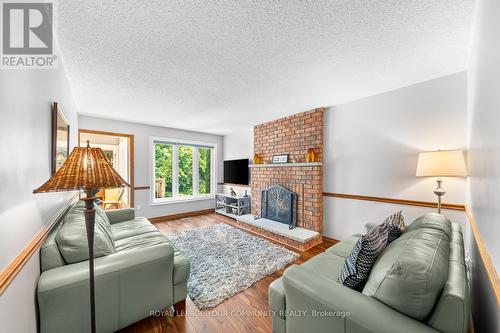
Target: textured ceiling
216, 66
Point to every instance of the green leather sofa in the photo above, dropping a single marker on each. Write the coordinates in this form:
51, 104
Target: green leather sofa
418, 284
137, 271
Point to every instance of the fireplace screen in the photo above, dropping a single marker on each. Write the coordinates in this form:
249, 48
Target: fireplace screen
279, 204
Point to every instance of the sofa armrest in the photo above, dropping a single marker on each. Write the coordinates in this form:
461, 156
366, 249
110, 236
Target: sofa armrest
128, 286
331, 307
120, 215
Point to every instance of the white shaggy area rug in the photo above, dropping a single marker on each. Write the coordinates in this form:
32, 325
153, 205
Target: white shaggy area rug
226, 260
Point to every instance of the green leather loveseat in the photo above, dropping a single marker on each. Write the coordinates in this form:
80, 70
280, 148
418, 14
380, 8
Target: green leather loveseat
418, 284
137, 271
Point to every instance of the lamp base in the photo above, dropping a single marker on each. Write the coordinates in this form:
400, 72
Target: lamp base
89, 225
439, 191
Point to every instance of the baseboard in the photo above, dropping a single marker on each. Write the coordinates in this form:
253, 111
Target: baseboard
164, 218
330, 239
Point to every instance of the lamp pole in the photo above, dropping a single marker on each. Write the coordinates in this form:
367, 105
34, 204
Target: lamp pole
89, 225
439, 191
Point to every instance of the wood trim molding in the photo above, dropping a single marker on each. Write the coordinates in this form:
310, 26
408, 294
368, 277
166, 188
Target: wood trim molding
138, 188
405, 202
165, 218
333, 240
10, 272
485, 257
131, 148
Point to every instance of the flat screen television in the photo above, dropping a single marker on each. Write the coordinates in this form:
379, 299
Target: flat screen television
236, 172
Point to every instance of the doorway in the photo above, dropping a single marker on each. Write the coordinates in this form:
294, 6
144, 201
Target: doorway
119, 149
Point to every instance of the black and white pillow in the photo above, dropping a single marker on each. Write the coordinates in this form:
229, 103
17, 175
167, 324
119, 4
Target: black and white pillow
358, 264
395, 225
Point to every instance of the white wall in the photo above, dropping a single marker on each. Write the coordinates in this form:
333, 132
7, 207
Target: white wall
239, 144
25, 146
484, 157
372, 144
142, 166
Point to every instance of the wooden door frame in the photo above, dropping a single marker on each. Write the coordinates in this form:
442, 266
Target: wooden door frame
130, 138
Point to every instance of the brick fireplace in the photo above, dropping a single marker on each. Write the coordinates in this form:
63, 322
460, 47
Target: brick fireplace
292, 135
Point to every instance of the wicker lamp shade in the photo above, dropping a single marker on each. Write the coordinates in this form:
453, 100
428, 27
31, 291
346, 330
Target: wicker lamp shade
85, 169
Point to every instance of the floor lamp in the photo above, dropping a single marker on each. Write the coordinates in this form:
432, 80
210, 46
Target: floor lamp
88, 170
441, 163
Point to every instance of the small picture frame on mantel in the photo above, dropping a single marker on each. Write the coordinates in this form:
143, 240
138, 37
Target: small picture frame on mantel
283, 158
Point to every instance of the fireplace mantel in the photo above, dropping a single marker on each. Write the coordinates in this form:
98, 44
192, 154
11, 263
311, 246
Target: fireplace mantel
286, 165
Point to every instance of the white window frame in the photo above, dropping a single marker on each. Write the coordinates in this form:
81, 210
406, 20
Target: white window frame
175, 171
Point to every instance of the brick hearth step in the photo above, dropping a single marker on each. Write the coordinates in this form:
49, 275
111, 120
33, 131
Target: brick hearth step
298, 234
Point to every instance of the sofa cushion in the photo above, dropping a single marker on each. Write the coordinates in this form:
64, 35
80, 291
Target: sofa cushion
411, 272
433, 221
72, 238
358, 264
137, 226
141, 241
50, 256
102, 214
395, 225
182, 267
102, 219
344, 248
326, 264
277, 302
454, 301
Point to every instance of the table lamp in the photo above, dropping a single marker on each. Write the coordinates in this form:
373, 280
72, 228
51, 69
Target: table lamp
441, 163
85, 169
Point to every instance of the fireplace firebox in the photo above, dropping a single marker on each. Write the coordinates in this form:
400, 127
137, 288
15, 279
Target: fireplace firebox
279, 204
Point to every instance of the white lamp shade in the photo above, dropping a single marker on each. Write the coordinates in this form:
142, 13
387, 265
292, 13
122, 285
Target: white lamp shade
441, 163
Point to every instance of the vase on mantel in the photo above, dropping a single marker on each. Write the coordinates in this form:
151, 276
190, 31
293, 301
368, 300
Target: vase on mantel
311, 156
257, 159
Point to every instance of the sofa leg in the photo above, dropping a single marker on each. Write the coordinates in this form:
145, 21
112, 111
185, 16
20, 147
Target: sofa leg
180, 308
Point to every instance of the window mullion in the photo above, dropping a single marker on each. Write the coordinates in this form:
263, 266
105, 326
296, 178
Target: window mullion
175, 171
196, 172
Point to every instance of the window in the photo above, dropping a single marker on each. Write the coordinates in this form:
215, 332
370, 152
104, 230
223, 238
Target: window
204, 167
182, 170
163, 170
185, 160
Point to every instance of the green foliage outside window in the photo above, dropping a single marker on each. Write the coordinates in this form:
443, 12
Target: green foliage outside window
204, 159
163, 170
185, 154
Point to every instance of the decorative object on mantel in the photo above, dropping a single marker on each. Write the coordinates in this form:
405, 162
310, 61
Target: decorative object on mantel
246, 194
85, 169
60, 138
311, 155
441, 163
257, 159
283, 158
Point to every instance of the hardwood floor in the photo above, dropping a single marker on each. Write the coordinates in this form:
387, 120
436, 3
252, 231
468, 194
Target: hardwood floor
248, 311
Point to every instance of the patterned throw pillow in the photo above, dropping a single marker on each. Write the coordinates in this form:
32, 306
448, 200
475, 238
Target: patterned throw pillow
395, 225
358, 264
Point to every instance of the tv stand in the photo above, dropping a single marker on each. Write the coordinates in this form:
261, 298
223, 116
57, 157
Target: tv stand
232, 206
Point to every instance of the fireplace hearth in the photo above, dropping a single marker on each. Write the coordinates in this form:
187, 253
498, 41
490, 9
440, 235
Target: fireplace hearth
279, 204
